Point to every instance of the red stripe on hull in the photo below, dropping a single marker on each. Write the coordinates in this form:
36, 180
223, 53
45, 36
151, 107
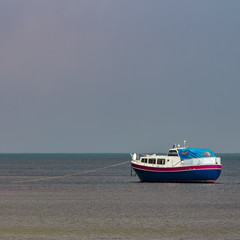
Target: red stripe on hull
176, 169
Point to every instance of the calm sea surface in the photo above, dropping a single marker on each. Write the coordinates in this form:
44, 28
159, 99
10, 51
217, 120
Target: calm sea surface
61, 196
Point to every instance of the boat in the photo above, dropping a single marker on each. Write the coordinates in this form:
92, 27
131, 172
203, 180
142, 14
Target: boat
181, 164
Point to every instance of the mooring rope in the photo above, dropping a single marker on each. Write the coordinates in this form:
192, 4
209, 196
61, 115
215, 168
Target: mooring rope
69, 175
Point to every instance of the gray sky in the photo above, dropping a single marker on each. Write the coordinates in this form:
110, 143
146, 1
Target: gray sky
119, 75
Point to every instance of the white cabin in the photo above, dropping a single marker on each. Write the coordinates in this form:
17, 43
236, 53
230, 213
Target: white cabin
177, 157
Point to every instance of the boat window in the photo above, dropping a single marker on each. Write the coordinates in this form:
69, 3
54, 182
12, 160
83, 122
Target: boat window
152, 160
161, 161
172, 153
207, 154
144, 160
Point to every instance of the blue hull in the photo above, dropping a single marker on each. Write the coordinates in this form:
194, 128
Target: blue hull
206, 175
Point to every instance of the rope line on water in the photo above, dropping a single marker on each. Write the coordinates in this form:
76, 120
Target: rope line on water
69, 175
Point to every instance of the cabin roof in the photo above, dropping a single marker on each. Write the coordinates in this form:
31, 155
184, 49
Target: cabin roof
187, 153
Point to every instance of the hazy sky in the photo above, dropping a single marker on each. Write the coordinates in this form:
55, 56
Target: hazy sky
119, 75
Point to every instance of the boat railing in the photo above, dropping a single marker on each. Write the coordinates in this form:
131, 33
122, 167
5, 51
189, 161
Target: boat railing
138, 156
177, 163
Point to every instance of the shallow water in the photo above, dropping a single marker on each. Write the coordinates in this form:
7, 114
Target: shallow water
110, 203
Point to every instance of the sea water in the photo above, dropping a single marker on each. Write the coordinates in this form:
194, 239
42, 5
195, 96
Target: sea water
89, 196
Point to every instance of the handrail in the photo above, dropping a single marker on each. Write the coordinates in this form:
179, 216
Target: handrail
177, 163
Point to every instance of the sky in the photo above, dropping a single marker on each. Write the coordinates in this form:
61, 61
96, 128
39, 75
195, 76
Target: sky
96, 76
